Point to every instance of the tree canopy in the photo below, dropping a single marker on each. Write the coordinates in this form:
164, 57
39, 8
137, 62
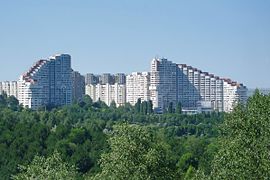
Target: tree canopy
244, 151
86, 133
134, 154
49, 168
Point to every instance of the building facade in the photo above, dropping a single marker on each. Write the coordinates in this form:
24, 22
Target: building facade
10, 88
78, 86
138, 87
90, 90
120, 78
106, 78
163, 83
196, 88
233, 93
91, 79
193, 88
47, 83
107, 93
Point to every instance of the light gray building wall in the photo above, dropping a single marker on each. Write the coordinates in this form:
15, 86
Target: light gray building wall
47, 83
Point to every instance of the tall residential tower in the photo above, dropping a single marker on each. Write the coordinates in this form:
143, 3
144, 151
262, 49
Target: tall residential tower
163, 83
172, 83
138, 87
47, 83
78, 86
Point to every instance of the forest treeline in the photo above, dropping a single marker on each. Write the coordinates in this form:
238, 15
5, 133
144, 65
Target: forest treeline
90, 140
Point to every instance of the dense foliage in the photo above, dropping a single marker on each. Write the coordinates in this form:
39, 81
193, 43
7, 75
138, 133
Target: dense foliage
244, 152
49, 168
131, 142
135, 153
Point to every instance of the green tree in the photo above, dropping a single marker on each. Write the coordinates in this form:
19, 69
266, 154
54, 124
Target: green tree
170, 108
12, 103
79, 135
135, 154
49, 168
144, 108
3, 99
186, 161
190, 173
150, 107
88, 100
138, 106
244, 152
178, 109
113, 105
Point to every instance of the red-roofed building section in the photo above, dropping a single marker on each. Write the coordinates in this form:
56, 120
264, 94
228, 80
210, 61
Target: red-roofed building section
29, 74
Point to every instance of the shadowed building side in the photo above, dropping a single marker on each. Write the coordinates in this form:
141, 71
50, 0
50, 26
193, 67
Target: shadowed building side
47, 83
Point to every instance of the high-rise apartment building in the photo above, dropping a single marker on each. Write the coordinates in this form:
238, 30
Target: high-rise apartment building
163, 83
91, 79
106, 78
78, 86
120, 78
6, 87
107, 93
196, 87
188, 81
47, 83
51, 82
174, 83
233, 93
138, 87
90, 90
10, 88
106, 87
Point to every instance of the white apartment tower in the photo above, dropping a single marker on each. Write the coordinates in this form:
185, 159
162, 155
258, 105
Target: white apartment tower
90, 90
163, 83
107, 93
171, 83
196, 87
233, 93
138, 87
47, 83
10, 88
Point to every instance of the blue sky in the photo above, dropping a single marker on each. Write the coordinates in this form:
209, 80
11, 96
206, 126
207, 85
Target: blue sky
230, 38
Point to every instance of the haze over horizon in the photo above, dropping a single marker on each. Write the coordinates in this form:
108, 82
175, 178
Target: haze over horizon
227, 38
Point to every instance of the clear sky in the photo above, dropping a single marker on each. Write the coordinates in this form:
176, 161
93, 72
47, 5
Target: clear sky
230, 38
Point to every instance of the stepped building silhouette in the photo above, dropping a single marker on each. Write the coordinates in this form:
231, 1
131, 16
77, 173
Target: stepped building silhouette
47, 83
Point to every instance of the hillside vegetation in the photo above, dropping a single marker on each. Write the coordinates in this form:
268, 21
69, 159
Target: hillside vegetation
89, 140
